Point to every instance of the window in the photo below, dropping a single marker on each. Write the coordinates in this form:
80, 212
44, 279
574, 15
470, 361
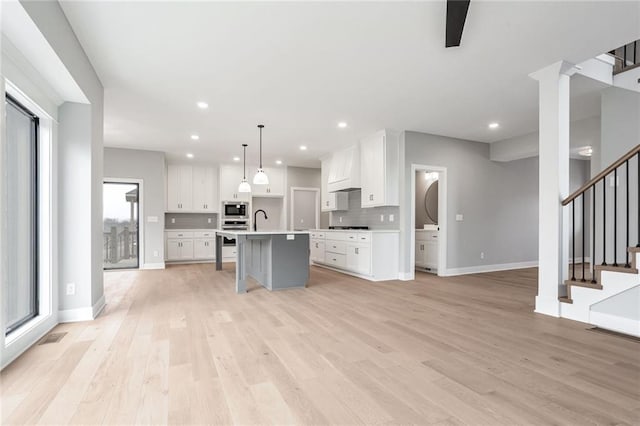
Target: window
21, 302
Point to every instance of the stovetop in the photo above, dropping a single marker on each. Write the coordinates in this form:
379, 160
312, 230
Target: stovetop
348, 227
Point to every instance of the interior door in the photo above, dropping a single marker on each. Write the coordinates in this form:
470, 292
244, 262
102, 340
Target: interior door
305, 209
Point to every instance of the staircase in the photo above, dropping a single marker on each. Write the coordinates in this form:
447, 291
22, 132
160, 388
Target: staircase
626, 57
606, 292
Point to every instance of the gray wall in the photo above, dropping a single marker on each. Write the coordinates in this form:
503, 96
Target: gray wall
150, 167
499, 201
273, 207
370, 217
620, 126
306, 178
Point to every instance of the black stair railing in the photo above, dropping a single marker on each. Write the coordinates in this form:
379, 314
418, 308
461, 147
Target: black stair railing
621, 204
626, 57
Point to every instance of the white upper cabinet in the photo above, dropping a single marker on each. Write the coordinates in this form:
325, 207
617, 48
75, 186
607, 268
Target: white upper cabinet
230, 177
205, 189
379, 172
192, 189
179, 188
331, 201
275, 188
344, 170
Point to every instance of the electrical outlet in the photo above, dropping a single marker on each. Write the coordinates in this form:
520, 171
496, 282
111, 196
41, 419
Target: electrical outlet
381, 218
173, 220
340, 219
208, 220
71, 289
391, 218
155, 253
481, 255
459, 218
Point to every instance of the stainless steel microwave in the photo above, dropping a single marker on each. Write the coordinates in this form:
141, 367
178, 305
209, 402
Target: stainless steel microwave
236, 210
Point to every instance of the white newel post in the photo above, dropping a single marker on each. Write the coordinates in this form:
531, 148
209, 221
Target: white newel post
553, 230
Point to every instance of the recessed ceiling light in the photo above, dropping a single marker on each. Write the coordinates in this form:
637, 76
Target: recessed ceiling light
494, 125
303, 148
342, 125
202, 105
195, 137
189, 155
278, 162
236, 158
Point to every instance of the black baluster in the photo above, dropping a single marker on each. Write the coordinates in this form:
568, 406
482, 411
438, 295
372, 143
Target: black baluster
573, 239
626, 250
593, 248
604, 221
615, 217
584, 197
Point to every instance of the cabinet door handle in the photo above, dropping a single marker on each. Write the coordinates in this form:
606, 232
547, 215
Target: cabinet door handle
327, 204
371, 197
357, 250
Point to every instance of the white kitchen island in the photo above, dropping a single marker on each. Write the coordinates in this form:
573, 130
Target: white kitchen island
276, 259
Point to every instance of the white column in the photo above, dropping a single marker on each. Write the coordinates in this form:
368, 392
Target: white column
553, 229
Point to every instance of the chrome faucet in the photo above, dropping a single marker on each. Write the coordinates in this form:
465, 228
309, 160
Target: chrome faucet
255, 217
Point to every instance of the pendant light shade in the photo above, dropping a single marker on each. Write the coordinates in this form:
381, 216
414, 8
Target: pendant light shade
261, 177
244, 185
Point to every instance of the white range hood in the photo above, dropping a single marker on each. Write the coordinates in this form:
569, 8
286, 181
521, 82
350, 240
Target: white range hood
344, 170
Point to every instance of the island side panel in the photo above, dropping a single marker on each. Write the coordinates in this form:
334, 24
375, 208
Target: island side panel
290, 261
259, 260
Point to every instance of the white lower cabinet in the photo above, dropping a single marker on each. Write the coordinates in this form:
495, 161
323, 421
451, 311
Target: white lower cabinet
371, 255
185, 246
427, 250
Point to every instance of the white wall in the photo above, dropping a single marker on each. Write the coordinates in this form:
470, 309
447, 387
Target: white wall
149, 166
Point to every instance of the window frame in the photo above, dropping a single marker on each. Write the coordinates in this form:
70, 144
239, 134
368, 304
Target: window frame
35, 215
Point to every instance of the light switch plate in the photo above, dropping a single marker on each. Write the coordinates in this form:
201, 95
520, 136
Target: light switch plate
291, 237
173, 220
381, 218
208, 220
459, 218
391, 218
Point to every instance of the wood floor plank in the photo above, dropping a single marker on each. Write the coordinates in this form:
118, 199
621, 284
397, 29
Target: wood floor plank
179, 346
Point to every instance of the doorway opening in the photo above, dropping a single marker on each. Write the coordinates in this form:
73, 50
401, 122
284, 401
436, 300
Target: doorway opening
305, 209
121, 231
428, 219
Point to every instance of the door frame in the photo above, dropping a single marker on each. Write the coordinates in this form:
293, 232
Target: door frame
442, 218
317, 209
141, 233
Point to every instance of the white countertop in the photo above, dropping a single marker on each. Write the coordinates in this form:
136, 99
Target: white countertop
261, 232
377, 231
191, 230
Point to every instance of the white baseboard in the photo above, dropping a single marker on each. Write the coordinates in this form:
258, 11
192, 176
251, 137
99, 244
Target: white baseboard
159, 265
615, 323
450, 272
405, 276
82, 314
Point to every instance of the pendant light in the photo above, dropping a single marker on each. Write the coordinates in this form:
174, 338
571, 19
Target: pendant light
261, 177
244, 185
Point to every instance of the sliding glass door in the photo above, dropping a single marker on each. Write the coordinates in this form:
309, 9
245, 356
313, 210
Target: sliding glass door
120, 225
21, 302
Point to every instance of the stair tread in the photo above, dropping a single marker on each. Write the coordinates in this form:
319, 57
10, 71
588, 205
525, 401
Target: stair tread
587, 284
618, 268
565, 299
633, 249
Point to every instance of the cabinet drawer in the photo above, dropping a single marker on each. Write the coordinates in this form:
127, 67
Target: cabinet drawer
179, 234
317, 235
204, 234
364, 237
339, 247
338, 236
335, 259
352, 236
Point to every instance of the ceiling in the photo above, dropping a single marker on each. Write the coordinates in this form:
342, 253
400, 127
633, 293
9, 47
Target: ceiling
301, 67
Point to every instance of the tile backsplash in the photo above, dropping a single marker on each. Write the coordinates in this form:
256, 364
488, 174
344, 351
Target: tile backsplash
370, 217
190, 220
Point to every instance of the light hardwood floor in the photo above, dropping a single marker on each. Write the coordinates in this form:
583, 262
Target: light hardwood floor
179, 346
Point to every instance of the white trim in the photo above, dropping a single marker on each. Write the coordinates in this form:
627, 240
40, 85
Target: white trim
317, 209
82, 314
406, 276
141, 234
615, 323
442, 218
489, 268
159, 265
